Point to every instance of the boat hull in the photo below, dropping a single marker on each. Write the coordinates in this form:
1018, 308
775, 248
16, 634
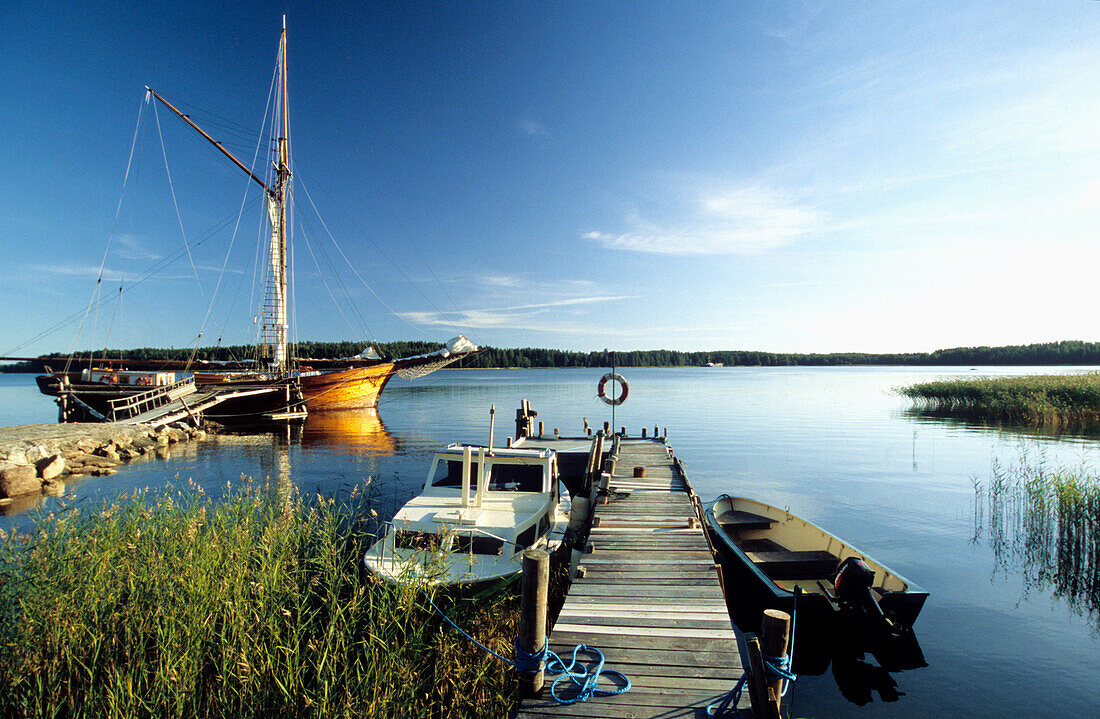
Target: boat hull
750, 589
351, 388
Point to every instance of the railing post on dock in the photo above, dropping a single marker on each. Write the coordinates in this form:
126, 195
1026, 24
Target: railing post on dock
532, 619
775, 629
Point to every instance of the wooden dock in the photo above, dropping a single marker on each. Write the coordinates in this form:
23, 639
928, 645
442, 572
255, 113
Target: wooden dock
648, 596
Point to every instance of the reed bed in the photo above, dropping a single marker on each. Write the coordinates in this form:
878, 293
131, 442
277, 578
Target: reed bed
1049, 400
1046, 523
175, 605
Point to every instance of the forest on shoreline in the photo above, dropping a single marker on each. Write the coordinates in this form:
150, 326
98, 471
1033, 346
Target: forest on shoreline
1049, 353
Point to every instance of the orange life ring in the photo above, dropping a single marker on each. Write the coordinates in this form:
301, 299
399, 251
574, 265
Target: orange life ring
612, 377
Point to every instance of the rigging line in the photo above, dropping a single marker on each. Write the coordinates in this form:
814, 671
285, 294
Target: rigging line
142, 278
240, 212
175, 204
387, 258
111, 324
356, 271
365, 327
324, 282
443, 289
114, 225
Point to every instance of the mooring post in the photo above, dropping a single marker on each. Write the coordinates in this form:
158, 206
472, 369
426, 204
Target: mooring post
775, 629
532, 620
762, 705
643, 432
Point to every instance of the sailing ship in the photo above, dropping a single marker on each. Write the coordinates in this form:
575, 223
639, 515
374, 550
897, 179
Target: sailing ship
349, 383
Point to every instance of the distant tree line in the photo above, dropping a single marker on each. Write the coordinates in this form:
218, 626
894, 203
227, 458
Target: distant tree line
1048, 353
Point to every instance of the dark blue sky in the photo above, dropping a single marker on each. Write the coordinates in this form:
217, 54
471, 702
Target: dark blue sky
783, 176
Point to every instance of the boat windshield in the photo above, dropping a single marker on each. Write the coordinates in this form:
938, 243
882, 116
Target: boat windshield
449, 474
516, 477
502, 476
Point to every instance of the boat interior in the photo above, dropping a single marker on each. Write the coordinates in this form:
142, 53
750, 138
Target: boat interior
793, 552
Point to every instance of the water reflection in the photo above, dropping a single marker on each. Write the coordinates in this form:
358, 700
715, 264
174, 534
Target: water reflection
1045, 524
353, 431
1060, 432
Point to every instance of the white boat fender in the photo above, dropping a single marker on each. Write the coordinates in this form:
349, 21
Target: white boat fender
612, 377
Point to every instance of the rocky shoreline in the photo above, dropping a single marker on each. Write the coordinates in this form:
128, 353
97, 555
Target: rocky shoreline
36, 458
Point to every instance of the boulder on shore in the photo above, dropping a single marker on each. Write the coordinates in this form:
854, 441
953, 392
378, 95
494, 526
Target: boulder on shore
51, 467
16, 479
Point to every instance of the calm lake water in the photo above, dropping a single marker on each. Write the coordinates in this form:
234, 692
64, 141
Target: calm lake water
832, 444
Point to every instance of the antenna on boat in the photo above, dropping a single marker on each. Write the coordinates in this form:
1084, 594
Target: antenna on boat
492, 424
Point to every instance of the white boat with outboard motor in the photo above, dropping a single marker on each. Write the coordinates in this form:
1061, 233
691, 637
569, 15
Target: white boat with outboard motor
480, 508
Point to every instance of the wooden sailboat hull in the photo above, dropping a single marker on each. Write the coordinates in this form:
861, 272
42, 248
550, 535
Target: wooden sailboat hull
351, 388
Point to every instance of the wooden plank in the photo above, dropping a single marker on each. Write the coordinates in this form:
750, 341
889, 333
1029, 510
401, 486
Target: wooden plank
679, 633
715, 622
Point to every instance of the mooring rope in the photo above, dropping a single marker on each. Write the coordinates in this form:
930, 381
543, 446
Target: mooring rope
774, 667
584, 679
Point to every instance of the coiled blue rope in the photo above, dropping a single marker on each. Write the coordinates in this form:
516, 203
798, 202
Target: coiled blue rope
586, 681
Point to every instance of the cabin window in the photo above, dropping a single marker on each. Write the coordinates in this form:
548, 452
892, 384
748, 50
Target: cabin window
526, 538
449, 474
544, 524
477, 544
407, 539
516, 477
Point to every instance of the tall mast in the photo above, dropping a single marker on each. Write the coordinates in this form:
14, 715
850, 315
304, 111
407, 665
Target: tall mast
279, 225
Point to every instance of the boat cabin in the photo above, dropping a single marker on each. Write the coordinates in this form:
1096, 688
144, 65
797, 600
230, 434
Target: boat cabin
128, 378
479, 509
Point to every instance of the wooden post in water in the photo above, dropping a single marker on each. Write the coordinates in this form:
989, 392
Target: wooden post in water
540, 428
643, 432
532, 619
775, 629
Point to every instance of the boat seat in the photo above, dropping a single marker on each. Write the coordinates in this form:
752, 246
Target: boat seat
787, 564
735, 519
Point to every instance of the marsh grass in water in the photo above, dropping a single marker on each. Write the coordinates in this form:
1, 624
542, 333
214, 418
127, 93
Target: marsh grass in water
1047, 524
253, 605
1051, 400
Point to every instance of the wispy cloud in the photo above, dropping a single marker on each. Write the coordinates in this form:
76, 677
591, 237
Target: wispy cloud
132, 248
742, 220
527, 316
530, 127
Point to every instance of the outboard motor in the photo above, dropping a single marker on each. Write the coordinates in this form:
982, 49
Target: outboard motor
853, 589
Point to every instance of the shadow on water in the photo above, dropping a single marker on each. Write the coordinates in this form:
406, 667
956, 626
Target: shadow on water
1044, 524
863, 663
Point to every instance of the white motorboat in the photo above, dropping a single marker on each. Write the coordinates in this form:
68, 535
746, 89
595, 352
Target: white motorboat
480, 508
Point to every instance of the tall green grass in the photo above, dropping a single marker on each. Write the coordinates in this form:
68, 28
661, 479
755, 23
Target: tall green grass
1037, 399
254, 605
1046, 523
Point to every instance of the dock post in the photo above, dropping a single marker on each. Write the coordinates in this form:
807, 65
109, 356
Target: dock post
775, 629
643, 432
540, 428
763, 706
532, 620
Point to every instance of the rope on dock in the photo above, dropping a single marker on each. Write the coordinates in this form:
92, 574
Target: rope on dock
587, 681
